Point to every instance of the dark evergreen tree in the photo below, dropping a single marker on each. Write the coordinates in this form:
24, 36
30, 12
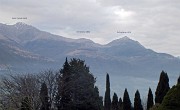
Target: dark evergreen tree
120, 104
150, 101
172, 99
76, 89
137, 101
82, 86
126, 101
64, 88
99, 100
162, 88
44, 97
25, 104
114, 103
178, 81
107, 99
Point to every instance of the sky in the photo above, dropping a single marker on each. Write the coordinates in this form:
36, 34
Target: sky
154, 23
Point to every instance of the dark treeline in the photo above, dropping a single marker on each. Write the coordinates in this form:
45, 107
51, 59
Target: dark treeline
71, 88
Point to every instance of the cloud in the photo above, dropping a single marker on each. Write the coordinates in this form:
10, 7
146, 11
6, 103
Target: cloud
154, 23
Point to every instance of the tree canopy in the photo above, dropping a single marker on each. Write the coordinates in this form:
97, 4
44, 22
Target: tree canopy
150, 101
114, 104
137, 101
76, 87
162, 88
44, 97
171, 101
107, 97
126, 101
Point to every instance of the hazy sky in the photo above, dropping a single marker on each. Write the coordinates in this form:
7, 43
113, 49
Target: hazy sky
154, 23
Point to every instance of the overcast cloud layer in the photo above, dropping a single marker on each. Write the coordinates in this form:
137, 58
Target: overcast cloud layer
154, 23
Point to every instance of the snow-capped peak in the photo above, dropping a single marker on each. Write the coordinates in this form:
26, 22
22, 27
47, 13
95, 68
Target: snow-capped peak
21, 25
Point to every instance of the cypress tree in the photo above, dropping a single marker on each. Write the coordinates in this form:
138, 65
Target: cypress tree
126, 101
178, 81
162, 88
120, 104
114, 103
137, 101
44, 97
25, 104
150, 101
107, 99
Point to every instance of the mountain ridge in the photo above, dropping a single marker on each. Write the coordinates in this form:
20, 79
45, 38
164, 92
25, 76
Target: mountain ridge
125, 60
119, 54
23, 26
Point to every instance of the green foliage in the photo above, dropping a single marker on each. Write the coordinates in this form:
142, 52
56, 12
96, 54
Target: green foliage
114, 104
107, 99
126, 101
155, 107
150, 101
162, 88
44, 97
172, 99
137, 101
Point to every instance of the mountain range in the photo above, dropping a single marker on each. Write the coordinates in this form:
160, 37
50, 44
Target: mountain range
22, 43
24, 48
